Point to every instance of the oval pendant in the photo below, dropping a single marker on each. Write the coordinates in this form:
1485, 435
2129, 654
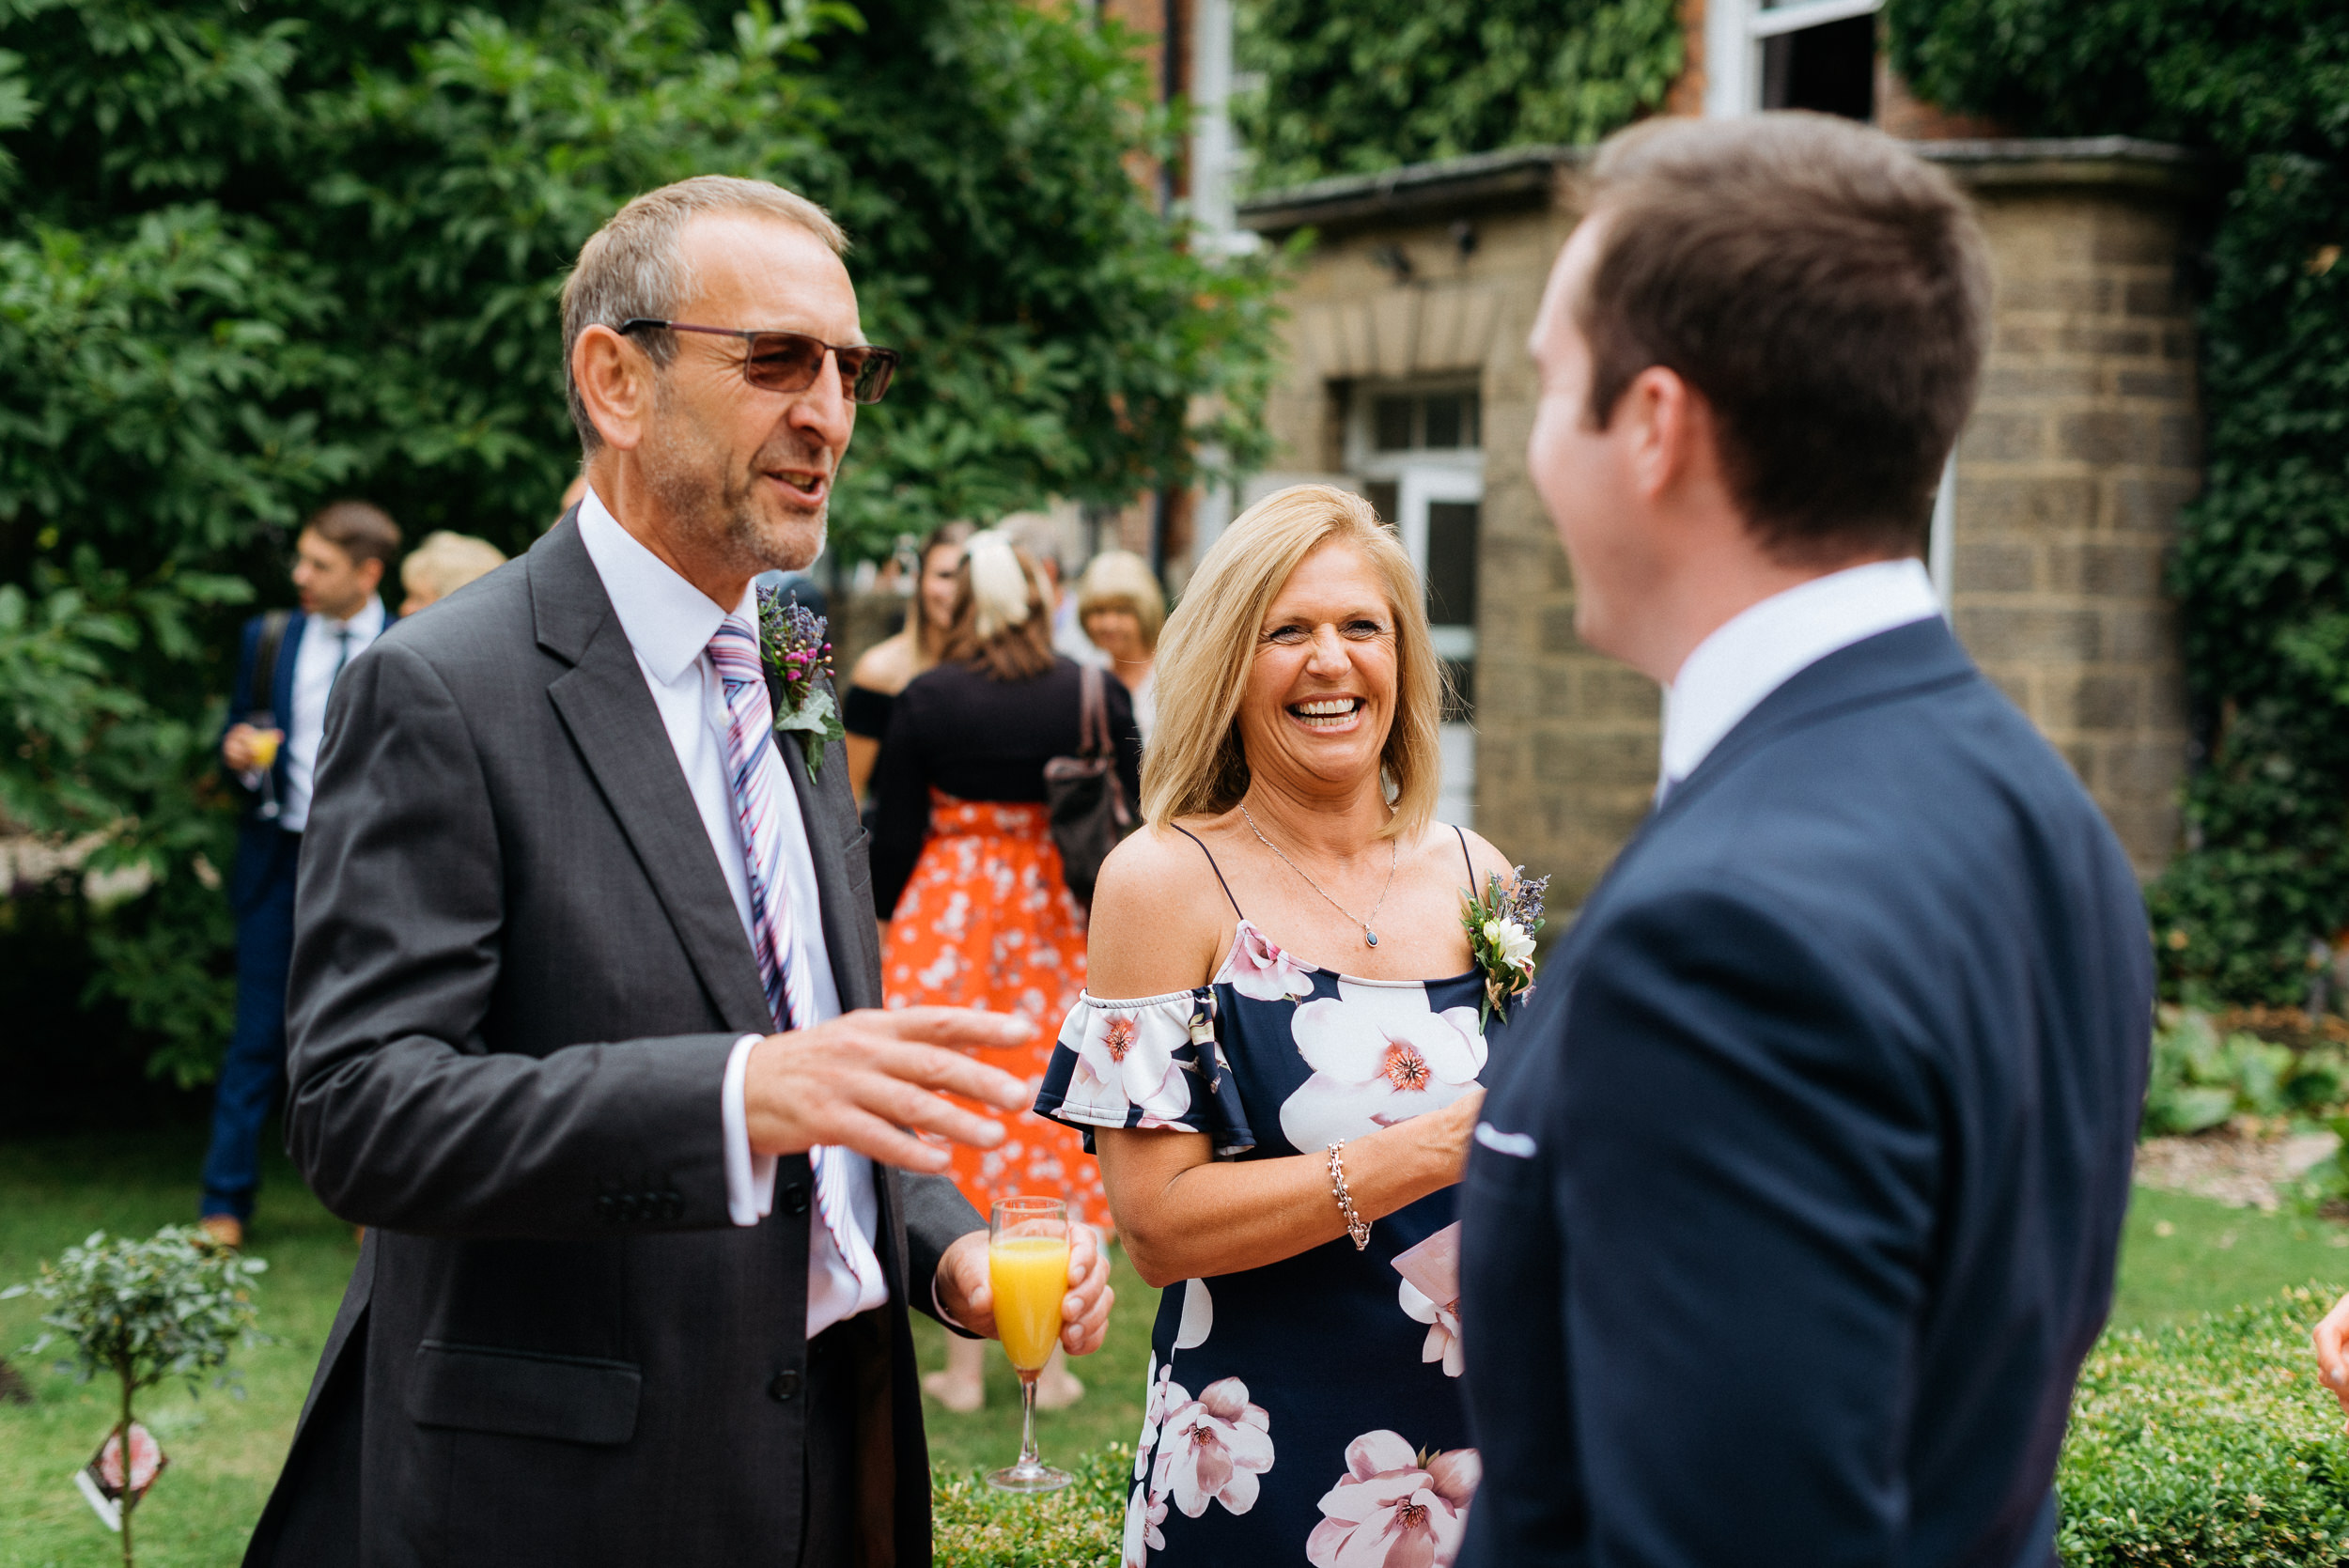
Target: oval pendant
1370, 938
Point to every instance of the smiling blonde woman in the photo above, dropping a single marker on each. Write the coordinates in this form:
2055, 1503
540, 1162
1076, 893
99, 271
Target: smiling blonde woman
1280, 1097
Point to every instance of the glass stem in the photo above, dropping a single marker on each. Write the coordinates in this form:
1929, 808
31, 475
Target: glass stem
1028, 1457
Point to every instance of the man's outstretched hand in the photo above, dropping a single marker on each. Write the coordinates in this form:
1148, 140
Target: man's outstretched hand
860, 1079
1084, 1311
2332, 1353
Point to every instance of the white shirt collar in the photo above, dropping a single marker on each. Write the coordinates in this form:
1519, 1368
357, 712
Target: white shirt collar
364, 625
1762, 646
669, 622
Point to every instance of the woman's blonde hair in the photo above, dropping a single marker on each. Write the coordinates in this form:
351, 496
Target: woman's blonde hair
1196, 763
445, 562
1002, 624
1120, 579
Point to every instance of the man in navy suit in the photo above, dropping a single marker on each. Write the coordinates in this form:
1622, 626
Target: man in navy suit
277, 720
1794, 1208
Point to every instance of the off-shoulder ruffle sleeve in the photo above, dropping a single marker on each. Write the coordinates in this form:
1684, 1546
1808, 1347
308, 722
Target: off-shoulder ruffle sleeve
1152, 1062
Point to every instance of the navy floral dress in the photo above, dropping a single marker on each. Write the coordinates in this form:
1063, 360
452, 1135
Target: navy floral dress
1306, 1412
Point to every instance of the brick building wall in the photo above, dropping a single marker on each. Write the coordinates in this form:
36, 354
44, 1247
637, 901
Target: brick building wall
2066, 489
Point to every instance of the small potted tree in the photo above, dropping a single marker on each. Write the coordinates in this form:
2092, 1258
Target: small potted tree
175, 1305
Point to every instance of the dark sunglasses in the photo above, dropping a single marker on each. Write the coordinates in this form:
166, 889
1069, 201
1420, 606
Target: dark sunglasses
790, 362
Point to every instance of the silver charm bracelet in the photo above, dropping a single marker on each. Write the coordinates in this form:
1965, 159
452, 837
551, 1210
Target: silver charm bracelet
1356, 1226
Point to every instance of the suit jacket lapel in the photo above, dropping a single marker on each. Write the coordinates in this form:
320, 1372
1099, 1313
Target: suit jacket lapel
825, 809
604, 705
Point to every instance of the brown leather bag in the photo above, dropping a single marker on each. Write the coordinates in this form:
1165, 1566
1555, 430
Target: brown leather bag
1084, 798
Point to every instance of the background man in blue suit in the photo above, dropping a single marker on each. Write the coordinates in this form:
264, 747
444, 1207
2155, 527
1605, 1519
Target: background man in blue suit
277, 719
1795, 1207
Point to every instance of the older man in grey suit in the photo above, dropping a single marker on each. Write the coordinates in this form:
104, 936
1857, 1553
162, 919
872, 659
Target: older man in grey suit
582, 996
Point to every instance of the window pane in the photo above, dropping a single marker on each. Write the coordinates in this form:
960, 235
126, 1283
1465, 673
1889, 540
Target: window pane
1444, 422
1831, 69
1390, 424
1475, 405
1384, 498
1459, 691
1452, 563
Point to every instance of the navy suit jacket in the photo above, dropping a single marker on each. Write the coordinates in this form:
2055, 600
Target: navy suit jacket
1796, 1207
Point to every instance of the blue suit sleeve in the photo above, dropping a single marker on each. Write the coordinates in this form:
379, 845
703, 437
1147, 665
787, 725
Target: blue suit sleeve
1744, 1170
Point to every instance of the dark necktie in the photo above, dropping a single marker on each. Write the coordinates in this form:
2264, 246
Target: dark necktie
342, 656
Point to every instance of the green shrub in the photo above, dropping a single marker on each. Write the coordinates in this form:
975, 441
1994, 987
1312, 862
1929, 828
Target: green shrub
976, 1527
2209, 1442
2201, 1079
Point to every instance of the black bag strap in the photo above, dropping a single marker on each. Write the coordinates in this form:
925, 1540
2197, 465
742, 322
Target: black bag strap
1093, 716
262, 698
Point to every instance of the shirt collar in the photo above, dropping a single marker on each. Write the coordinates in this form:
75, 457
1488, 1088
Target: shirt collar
1762, 646
669, 622
365, 623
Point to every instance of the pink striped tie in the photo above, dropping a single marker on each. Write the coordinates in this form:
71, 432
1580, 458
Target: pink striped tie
754, 774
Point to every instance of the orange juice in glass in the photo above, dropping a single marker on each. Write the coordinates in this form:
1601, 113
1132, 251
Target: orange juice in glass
1027, 1268
264, 745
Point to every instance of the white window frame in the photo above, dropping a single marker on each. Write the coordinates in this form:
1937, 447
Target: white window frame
1735, 31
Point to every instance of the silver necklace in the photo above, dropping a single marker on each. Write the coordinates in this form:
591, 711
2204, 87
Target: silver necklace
1394, 855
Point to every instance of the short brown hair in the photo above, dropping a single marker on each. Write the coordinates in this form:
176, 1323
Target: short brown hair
1826, 291
360, 531
635, 266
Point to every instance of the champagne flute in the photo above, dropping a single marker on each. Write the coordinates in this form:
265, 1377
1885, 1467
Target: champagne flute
1027, 1268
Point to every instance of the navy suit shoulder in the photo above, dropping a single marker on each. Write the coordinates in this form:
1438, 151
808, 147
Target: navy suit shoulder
1798, 1202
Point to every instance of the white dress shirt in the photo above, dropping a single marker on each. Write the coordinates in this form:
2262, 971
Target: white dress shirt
327, 646
1764, 646
669, 623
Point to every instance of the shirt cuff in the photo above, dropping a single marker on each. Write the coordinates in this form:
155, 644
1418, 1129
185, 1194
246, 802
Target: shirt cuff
750, 1178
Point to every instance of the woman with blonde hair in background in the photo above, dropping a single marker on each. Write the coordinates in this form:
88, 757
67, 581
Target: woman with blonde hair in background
443, 564
888, 665
1121, 607
1282, 1097
968, 877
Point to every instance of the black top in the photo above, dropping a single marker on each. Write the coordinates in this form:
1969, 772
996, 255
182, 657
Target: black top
1847, 1052
978, 738
864, 711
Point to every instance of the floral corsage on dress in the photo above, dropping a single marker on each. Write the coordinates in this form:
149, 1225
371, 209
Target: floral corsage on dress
1501, 930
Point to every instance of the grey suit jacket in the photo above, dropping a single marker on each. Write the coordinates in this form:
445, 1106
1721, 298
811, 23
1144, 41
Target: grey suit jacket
516, 977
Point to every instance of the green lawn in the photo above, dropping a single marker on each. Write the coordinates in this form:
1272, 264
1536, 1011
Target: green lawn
224, 1453
2182, 1256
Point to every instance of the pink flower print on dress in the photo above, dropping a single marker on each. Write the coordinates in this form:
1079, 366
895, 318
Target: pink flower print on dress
1443, 1333
1162, 1393
1393, 1510
1258, 968
1144, 1516
1125, 1058
1380, 1054
1213, 1449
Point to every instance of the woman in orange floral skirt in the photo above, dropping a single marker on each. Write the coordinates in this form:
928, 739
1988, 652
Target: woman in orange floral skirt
965, 873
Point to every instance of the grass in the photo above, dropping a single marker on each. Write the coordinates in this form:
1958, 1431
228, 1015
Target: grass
225, 1454
2182, 1256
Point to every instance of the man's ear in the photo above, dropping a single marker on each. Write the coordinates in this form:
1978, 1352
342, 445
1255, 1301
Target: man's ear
614, 381
1671, 428
371, 573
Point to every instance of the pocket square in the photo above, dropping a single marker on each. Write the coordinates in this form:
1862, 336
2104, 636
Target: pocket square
1517, 1145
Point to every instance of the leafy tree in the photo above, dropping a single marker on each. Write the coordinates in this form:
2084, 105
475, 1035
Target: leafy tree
1355, 86
261, 254
172, 1306
2262, 568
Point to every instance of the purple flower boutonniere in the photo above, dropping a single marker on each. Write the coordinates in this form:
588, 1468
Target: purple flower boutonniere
791, 639
1501, 927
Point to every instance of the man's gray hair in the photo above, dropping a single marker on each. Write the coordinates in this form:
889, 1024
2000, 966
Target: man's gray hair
635, 265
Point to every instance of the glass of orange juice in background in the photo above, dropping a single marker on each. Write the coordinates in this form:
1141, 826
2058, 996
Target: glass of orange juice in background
266, 736
1027, 1268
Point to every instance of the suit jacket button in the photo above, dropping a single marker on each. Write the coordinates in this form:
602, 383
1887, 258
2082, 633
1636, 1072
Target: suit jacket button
786, 1384
795, 1198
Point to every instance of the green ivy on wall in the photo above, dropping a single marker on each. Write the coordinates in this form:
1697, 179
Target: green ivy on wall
2263, 566
1350, 87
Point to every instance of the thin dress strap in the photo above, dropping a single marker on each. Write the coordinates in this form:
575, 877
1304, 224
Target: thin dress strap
1212, 866
1466, 856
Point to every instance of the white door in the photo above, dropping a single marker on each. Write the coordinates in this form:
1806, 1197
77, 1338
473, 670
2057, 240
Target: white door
1437, 508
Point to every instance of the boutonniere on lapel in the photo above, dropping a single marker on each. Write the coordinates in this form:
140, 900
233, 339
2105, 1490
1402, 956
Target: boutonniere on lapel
1501, 927
791, 641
